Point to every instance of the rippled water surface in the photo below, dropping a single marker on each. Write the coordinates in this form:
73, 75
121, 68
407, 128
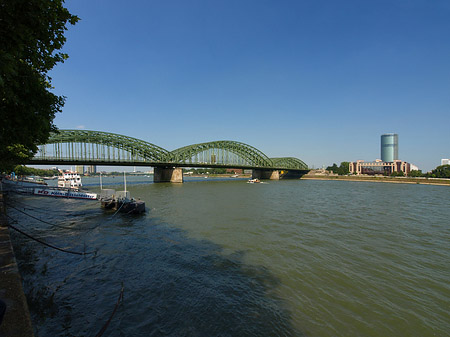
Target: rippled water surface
226, 258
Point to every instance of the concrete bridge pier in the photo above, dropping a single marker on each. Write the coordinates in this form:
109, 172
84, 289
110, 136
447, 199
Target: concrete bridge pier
278, 174
293, 174
266, 174
168, 175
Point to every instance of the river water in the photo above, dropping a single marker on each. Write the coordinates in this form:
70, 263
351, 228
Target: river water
220, 257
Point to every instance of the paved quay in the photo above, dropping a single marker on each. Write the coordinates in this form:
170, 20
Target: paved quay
17, 321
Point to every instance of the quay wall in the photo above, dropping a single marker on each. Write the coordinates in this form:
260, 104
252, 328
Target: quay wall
17, 321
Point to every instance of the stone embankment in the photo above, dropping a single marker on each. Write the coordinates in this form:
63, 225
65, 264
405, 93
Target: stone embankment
16, 321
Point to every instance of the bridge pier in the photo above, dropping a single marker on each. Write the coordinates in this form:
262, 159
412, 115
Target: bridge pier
278, 174
293, 174
266, 174
168, 175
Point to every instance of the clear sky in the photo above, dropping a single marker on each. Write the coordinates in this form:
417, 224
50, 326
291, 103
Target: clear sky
317, 80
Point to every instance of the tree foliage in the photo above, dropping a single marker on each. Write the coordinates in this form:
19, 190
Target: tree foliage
31, 37
415, 173
343, 169
442, 171
20, 170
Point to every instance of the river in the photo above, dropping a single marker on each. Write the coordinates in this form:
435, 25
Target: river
220, 257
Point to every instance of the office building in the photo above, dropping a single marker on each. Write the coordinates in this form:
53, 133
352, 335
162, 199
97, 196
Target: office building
379, 167
389, 147
389, 162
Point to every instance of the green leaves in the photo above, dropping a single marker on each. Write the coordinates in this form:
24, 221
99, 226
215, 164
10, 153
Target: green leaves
31, 35
442, 171
343, 169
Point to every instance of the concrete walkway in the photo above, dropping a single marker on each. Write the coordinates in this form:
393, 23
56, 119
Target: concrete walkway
17, 321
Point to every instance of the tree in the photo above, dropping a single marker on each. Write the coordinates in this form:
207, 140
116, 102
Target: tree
29, 171
415, 173
31, 35
442, 171
333, 168
343, 169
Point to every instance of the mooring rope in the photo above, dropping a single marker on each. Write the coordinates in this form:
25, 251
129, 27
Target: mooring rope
46, 211
45, 243
118, 210
105, 326
36, 218
49, 223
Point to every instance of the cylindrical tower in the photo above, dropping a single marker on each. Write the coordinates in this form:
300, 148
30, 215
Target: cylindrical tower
389, 147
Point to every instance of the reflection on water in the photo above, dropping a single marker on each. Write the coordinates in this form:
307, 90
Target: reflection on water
226, 258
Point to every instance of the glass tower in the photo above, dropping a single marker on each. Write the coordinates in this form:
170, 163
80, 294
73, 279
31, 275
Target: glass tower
389, 147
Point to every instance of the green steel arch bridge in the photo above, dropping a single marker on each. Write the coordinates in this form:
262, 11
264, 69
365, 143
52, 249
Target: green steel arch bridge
83, 147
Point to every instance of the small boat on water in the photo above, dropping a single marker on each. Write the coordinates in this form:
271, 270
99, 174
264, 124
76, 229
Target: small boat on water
253, 181
120, 201
50, 178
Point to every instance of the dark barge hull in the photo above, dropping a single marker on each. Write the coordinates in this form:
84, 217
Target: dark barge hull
129, 207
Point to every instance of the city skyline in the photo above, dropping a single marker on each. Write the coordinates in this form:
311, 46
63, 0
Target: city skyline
320, 81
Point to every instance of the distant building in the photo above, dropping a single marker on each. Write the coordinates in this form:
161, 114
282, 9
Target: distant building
445, 161
235, 171
414, 167
92, 169
389, 162
379, 167
79, 169
389, 147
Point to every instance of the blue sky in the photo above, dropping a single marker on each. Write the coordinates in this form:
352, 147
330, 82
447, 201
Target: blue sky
317, 80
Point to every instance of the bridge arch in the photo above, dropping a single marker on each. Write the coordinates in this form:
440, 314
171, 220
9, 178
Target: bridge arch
289, 163
223, 152
98, 145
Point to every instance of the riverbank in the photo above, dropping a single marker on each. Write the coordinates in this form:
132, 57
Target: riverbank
396, 180
17, 321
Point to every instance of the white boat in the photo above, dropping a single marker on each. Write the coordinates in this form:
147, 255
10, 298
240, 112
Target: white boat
54, 192
253, 181
50, 178
70, 179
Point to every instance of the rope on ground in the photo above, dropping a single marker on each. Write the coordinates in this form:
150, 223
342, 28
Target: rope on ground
45, 243
103, 329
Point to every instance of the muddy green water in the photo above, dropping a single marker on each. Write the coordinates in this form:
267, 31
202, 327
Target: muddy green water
227, 258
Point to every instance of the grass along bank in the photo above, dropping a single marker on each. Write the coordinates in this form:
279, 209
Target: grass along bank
382, 179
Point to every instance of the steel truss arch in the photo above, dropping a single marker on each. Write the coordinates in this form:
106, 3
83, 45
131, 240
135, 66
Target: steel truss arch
222, 152
136, 147
85, 146
289, 163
